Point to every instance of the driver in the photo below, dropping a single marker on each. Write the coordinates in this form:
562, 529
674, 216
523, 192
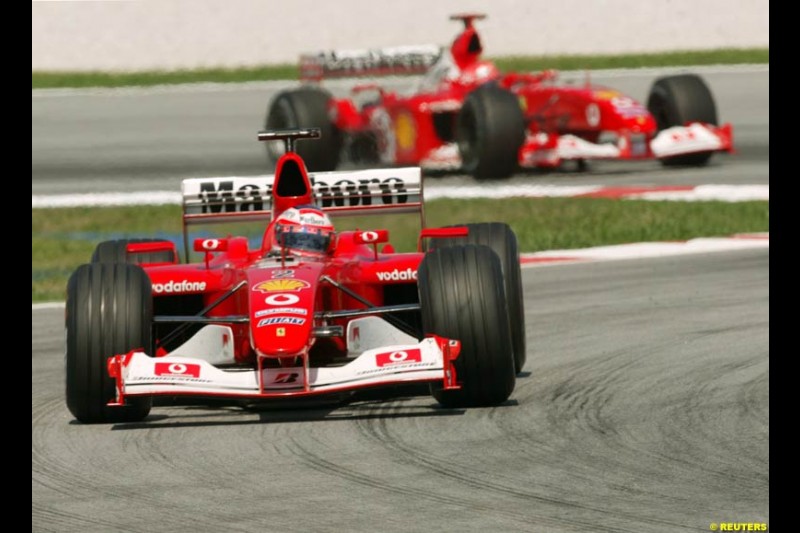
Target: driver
305, 231
461, 63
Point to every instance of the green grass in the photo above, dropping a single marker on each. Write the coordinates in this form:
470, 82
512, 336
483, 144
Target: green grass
725, 56
43, 80
61, 239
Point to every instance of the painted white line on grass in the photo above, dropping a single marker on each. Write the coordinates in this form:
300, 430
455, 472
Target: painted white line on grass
47, 305
725, 193
509, 191
105, 199
347, 83
641, 250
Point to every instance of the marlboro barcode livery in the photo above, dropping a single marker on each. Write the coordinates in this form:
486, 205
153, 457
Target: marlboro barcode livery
309, 311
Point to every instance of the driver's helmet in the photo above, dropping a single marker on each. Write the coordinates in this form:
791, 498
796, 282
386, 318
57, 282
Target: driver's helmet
304, 230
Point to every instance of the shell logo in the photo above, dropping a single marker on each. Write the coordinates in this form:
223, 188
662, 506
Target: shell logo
405, 131
281, 285
606, 94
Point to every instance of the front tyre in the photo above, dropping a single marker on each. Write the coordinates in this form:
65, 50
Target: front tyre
490, 130
678, 100
109, 311
462, 297
501, 239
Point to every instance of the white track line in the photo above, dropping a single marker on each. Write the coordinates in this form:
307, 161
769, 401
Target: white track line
47, 305
347, 83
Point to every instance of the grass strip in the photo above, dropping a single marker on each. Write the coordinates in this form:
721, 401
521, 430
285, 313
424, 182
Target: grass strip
62, 239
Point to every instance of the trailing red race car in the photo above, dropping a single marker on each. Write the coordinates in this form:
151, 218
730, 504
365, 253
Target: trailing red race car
464, 114
306, 312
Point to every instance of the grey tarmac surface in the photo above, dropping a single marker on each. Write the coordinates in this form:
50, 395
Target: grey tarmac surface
643, 407
146, 139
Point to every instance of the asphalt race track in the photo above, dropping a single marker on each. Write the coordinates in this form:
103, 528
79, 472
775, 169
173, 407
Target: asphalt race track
145, 139
644, 406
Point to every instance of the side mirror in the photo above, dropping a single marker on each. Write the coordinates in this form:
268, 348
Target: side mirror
210, 245
371, 237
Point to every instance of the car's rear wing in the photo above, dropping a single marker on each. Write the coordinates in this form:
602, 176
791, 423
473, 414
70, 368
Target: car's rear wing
360, 192
398, 60
395, 190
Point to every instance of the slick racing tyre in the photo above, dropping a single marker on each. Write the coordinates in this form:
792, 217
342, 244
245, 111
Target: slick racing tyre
490, 130
676, 100
306, 107
462, 297
116, 252
501, 239
109, 311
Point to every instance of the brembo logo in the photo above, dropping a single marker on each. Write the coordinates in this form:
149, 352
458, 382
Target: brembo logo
397, 275
173, 286
220, 196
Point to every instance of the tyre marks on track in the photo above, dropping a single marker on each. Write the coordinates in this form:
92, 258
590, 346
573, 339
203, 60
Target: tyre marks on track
514, 492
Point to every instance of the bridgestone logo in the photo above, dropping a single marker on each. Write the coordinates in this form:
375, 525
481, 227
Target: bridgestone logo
173, 286
397, 275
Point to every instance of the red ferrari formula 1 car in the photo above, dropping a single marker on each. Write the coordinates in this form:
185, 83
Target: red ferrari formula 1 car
464, 114
306, 312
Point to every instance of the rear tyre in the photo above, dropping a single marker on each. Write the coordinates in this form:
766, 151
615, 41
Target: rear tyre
490, 130
116, 252
109, 311
676, 100
501, 239
462, 297
306, 107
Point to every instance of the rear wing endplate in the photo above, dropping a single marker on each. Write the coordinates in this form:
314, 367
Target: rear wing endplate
398, 60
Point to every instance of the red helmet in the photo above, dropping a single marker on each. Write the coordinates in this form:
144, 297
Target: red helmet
303, 230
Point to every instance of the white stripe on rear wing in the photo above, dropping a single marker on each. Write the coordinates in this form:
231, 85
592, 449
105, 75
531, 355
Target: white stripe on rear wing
397, 190
369, 62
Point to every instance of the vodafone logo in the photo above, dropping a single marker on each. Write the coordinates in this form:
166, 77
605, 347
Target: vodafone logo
173, 286
397, 275
177, 369
399, 356
281, 299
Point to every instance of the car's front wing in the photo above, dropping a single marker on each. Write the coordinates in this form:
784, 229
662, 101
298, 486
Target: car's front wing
550, 150
138, 374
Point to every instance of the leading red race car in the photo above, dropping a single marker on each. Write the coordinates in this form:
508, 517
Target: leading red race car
306, 312
464, 114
